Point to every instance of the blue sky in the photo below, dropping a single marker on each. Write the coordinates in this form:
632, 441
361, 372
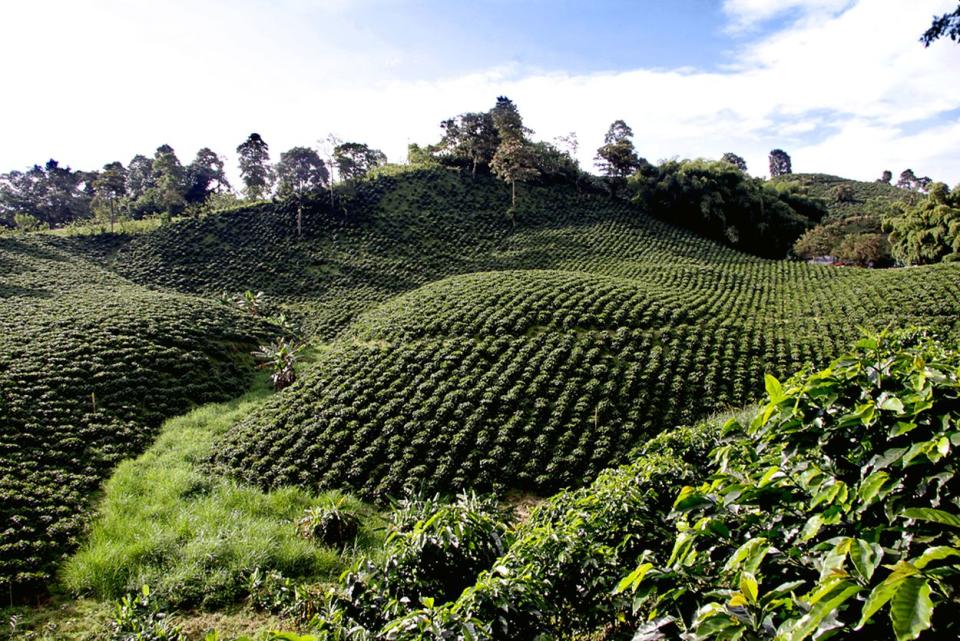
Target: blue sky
842, 85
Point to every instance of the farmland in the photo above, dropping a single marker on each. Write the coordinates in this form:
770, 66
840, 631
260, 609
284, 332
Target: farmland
454, 350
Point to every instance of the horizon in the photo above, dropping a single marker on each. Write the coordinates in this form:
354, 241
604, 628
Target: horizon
386, 72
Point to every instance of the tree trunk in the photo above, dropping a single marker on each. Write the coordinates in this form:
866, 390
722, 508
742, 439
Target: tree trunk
299, 217
513, 186
112, 217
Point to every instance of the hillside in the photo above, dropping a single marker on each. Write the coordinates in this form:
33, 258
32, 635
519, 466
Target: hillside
864, 196
89, 366
459, 350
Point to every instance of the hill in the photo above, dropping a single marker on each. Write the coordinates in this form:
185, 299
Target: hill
461, 350
89, 366
862, 197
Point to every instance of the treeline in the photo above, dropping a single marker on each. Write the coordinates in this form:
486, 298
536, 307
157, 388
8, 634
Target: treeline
52, 195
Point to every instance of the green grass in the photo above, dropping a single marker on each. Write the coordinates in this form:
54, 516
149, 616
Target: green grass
193, 537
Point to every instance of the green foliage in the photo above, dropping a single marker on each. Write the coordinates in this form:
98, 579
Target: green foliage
833, 511
928, 232
89, 366
853, 240
330, 523
280, 357
138, 618
428, 562
719, 201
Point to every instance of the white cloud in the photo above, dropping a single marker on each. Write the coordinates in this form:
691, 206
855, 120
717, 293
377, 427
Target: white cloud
746, 14
836, 92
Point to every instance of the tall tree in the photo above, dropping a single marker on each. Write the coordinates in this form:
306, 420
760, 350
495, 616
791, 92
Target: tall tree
735, 160
255, 167
205, 176
617, 158
169, 181
514, 159
300, 172
947, 25
353, 159
908, 180
111, 187
780, 164
885, 177
139, 176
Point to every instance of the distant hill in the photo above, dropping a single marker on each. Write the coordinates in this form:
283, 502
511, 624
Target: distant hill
824, 186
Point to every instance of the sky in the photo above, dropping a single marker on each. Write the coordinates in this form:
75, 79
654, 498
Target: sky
843, 86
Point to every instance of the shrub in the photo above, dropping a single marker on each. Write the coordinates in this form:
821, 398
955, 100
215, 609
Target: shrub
833, 512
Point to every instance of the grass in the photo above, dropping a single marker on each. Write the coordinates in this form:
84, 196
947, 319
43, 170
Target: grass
193, 537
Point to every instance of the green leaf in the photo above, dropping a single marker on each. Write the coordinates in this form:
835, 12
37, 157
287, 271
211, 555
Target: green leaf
633, 579
885, 591
812, 527
870, 487
799, 629
911, 608
866, 557
936, 553
931, 514
893, 404
748, 556
774, 388
748, 586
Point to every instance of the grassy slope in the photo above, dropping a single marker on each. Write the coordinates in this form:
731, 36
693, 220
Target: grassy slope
194, 537
89, 366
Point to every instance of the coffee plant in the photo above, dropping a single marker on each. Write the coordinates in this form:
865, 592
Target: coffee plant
89, 367
834, 513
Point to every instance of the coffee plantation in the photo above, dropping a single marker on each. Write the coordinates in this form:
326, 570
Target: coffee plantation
451, 351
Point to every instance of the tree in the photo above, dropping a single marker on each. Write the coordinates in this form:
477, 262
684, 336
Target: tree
885, 177
514, 159
169, 178
779, 163
52, 194
735, 160
300, 171
353, 159
255, 167
928, 232
205, 176
110, 186
947, 25
139, 176
617, 157
470, 138
843, 193
507, 120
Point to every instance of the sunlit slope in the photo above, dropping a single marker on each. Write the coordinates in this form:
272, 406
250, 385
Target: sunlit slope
390, 235
89, 365
539, 379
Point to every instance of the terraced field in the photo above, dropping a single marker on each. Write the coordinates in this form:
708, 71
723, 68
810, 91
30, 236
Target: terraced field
89, 365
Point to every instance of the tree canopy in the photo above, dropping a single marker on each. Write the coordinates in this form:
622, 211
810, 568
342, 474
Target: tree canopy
354, 159
780, 164
946, 25
255, 167
928, 232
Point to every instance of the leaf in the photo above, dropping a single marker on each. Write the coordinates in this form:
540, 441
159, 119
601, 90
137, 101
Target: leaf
633, 579
933, 515
866, 557
748, 586
884, 592
893, 404
748, 556
911, 608
774, 388
936, 553
799, 629
870, 487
